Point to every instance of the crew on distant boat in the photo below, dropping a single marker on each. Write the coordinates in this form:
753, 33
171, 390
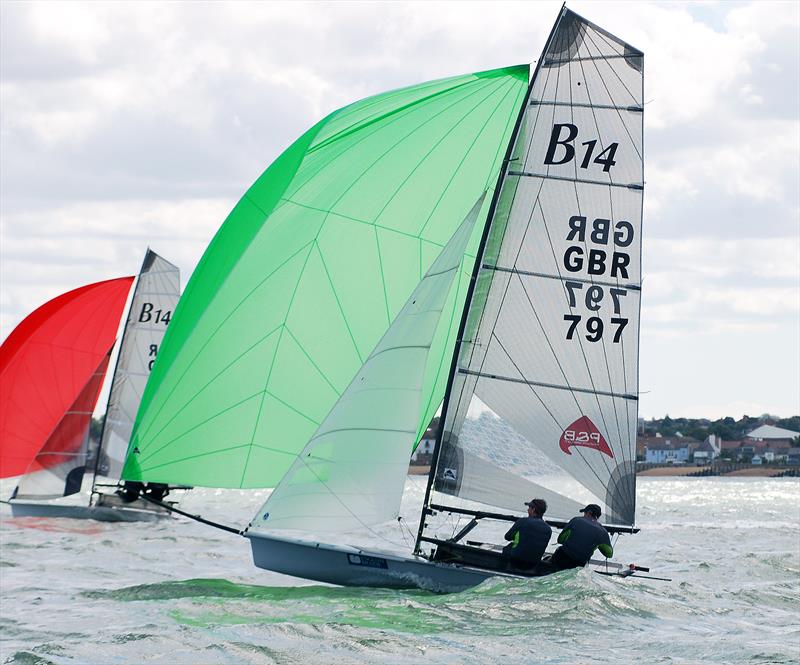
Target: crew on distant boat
130, 490
529, 537
580, 538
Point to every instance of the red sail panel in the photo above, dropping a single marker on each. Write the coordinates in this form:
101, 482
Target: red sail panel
61, 461
46, 362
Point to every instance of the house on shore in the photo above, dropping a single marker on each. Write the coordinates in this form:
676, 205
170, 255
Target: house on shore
668, 450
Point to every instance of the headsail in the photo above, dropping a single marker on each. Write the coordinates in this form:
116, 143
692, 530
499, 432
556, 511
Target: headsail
353, 469
47, 361
308, 272
550, 346
152, 306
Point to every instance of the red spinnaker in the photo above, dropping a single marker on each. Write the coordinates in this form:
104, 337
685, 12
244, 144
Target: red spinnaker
47, 361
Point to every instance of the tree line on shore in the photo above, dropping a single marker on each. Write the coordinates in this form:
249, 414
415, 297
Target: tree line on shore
726, 428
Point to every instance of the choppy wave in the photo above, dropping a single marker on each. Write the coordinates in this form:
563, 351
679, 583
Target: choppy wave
178, 592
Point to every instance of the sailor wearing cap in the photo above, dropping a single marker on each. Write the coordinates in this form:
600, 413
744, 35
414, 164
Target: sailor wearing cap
580, 538
529, 537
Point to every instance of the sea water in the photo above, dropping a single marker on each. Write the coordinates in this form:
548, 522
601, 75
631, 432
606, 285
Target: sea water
180, 592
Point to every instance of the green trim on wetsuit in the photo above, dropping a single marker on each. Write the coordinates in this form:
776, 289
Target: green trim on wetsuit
563, 537
606, 550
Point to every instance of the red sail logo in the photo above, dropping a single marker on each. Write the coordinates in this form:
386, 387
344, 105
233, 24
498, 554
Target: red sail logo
583, 433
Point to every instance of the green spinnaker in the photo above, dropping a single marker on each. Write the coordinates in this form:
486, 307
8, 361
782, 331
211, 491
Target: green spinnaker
309, 270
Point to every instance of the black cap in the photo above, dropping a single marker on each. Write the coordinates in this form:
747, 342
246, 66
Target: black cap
593, 509
539, 505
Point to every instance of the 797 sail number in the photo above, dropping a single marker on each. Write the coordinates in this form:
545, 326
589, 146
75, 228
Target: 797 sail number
595, 327
593, 297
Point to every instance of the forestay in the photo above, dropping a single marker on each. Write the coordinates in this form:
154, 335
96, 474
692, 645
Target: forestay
307, 274
353, 469
551, 341
154, 299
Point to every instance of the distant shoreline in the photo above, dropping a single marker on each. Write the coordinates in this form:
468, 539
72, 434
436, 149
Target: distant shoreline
690, 471
696, 471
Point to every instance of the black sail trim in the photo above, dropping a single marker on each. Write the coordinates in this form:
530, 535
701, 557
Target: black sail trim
610, 107
589, 391
528, 174
562, 278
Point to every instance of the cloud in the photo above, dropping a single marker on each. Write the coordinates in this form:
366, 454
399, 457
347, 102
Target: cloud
128, 124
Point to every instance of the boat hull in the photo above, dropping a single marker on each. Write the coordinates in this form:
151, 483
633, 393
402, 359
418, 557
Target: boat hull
351, 566
103, 513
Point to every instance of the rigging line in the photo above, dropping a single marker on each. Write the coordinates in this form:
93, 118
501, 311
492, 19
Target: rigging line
400, 526
546, 82
196, 518
611, 206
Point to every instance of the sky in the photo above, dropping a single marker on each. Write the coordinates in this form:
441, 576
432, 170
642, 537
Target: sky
127, 125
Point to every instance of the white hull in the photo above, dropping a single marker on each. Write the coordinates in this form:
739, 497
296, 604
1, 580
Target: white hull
107, 510
350, 566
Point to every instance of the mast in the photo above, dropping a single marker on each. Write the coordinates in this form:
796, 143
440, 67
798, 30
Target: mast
473, 281
113, 374
152, 302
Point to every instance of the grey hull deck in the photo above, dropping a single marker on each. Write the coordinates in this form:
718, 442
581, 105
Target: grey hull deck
351, 566
104, 513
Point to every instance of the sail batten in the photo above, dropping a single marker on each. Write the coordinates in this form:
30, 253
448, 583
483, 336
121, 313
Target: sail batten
583, 181
571, 388
550, 346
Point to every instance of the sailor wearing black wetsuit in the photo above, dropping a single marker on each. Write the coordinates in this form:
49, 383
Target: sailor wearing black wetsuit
580, 538
529, 537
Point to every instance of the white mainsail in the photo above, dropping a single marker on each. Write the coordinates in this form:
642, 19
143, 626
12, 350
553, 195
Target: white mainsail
154, 299
352, 471
551, 341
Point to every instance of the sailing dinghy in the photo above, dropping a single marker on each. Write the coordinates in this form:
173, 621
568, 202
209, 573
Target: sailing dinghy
48, 355
475, 240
